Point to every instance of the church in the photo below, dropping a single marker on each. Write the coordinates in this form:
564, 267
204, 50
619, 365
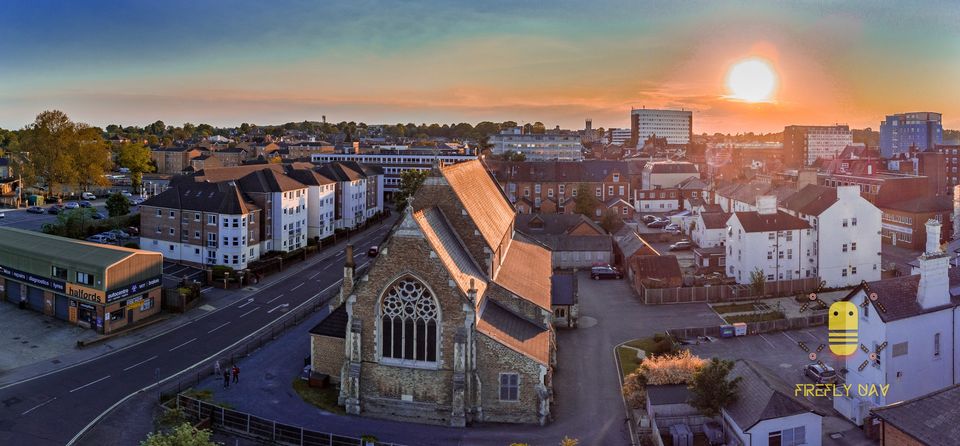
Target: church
452, 322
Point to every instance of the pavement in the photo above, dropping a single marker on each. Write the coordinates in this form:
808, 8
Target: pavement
98, 378
586, 381
30, 337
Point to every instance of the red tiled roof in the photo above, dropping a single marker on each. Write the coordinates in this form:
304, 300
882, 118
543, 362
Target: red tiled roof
515, 332
482, 199
526, 272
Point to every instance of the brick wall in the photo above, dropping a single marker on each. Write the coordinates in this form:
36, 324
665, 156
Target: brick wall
326, 355
891, 436
497, 359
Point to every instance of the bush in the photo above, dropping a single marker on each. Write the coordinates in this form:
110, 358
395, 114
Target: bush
220, 270
133, 245
678, 368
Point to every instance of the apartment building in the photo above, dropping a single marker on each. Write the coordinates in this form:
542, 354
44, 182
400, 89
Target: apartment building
202, 223
768, 240
674, 125
552, 187
393, 162
321, 199
173, 160
804, 144
903, 131
553, 145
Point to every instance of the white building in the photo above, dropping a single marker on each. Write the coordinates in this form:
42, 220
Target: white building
802, 145
618, 136
666, 174
550, 146
394, 161
656, 200
709, 229
768, 240
918, 327
286, 200
845, 243
321, 201
675, 125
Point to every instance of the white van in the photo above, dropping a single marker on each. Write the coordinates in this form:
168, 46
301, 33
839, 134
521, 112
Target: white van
88, 196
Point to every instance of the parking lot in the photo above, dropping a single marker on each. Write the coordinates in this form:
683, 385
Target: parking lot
175, 273
21, 219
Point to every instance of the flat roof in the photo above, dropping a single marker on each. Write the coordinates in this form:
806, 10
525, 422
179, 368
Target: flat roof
20, 242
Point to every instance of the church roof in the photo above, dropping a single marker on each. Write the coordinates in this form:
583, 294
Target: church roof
515, 332
450, 250
526, 272
482, 199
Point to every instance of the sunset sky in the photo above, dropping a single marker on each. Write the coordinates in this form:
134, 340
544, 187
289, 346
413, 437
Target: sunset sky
558, 62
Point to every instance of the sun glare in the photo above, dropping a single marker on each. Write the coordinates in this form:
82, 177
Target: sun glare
751, 80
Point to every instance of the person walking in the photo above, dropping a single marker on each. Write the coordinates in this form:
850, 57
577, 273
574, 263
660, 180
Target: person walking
216, 368
226, 379
236, 374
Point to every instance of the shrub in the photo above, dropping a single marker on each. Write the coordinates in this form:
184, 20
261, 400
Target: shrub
678, 368
133, 245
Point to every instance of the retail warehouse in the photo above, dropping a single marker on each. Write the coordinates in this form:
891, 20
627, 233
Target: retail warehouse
101, 287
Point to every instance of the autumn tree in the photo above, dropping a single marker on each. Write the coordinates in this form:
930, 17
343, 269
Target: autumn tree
712, 389
117, 205
410, 181
136, 157
182, 435
585, 202
678, 368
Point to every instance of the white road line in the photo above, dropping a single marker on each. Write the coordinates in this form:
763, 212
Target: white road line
815, 338
278, 307
251, 311
248, 303
39, 406
315, 275
298, 286
329, 264
204, 290
181, 345
275, 298
221, 326
89, 384
141, 362
767, 341
788, 337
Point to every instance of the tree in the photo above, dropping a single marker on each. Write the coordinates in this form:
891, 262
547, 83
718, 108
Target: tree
182, 435
518, 157
117, 205
567, 441
711, 389
410, 181
678, 368
585, 201
610, 221
758, 282
136, 157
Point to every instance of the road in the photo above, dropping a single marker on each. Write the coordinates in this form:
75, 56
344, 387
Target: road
52, 409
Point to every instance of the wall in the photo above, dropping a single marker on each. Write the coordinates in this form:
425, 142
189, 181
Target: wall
891, 436
747, 251
327, 355
831, 235
813, 426
496, 359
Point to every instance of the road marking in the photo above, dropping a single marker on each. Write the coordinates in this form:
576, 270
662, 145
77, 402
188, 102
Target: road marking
251, 311
221, 326
788, 337
815, 338
278, 307
329, 264
141, 362
315, 275
39, 406
204, 290
275, 298
298, 286
181, 345
89, 384
767, 341
249, 301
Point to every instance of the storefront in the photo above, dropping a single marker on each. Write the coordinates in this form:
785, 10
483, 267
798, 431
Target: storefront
96, 286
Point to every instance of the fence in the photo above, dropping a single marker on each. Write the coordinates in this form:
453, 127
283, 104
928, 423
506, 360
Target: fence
794, 323
261, 428
724, 293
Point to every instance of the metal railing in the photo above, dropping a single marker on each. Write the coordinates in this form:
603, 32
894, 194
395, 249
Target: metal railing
242, 423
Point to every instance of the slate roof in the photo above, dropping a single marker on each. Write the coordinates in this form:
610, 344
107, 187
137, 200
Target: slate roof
220, 198
932, 419
563, 289
899, 295
334, 325
630, 243
232, 173
692, 183
656, 267
592, 243
714, 220
515, 332
554, 224
922, 204
268, 180
668, 394
526, 272
762, 396
482, 199
450, 249
781, 221
811, 200
672, 167
309, 177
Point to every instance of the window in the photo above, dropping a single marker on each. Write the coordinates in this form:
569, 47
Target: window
598, 212
853, 221
770, 236
84, 278
574, 193
616, 178
59, 273
609, 190
526, 192
769, 255
560, 189
843, 272
769, 276
845, 222
844, 247
789, 236
789, 253
621, 190
788, 437
172, 214
599, 191
159, 213
509, 387
779, 254
172, 232
196, 217
624, 210
226, 223
409, 322
899, 349
853, 246
853, 270
211, 219
117, 315
936, 345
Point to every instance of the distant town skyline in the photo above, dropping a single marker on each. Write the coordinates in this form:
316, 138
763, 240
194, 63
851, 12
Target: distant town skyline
739, 66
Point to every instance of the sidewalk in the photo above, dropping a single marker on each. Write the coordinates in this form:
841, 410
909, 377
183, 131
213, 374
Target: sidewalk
213, 299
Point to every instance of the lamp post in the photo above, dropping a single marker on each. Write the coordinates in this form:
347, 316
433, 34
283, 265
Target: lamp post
226, 275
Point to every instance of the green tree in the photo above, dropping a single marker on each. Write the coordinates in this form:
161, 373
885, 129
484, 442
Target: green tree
585, 203
117, 205
136, 157
610, 221
515, 156
538, 127
182, 435
410, 181
712, 389
758, 282
70, 223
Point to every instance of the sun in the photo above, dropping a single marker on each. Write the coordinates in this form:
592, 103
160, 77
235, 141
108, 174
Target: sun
751, 80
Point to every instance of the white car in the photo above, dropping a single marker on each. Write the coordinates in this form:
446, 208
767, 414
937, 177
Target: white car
88, 196
72, 205
126, 193
2, 215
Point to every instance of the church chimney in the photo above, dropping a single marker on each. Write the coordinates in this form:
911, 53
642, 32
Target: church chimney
934, 289
348, 268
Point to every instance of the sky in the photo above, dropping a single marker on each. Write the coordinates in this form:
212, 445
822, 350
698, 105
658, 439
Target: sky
447, 61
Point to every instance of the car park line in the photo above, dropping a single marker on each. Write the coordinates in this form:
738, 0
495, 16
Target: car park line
275, 298
298, 286
767, 341
219, 327
788, 337
251, 311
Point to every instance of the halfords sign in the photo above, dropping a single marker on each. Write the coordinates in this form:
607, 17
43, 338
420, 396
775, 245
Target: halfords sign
133, 289
84, 293
31, 279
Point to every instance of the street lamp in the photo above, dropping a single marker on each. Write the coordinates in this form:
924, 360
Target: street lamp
226, 275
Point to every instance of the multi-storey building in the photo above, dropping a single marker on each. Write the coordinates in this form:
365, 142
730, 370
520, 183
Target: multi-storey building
393, 162
553, 145
950, 164
804, 144
674, 125
666, 174
202, 223
768, 240
618, 136
359, 192
321, 199
173, 160
552, 187
901, 132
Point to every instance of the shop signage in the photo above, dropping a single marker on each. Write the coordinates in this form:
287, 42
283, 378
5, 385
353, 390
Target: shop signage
132, 289
84, 293
87, 306
31, 279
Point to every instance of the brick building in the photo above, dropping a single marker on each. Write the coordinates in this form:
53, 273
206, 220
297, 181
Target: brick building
903, 221
932, 419
173, 160
452, 323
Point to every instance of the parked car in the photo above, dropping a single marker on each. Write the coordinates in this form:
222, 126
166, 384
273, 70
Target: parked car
72, 205
127, 194
86, 204
108, 236
98, 216
605, 272
36, 210
136, 201
132, 230
820, 373
88, 196
682, 245
373, 251
99, 238
2, 215
658, 224
118, 234
649, 218
55, 209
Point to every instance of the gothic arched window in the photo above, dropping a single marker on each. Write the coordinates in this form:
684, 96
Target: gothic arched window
409, 319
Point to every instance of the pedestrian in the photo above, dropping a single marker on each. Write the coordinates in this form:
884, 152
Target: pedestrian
226, 379
236, 374
216, 368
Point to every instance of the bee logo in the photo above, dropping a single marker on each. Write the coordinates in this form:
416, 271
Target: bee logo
842, 328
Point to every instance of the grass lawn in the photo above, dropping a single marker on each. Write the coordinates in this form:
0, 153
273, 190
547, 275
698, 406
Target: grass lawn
755, 317
734, 308
628, 360
645, 344
325, 399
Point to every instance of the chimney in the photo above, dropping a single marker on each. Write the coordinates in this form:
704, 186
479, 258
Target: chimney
934, 289
348, 268
767, 204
